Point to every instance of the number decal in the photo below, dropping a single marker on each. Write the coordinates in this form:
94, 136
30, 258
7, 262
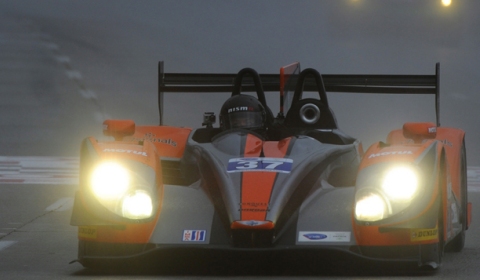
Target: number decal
281, 165
246, 164
270, 164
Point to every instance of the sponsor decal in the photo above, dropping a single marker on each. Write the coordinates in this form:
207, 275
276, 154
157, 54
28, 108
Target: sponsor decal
254, 210
253, 223
315, 236
446, 142
280, 165
391, 153
254, 206
423, 234
432, 129
152, 138
125, 151
87, 232
324, 236
194, 235
239, 109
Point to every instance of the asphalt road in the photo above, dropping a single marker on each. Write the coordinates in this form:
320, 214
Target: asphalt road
60, 77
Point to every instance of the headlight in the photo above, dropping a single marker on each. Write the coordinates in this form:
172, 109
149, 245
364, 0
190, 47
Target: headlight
386, 190
400, 183
109, 180
127, 192
137, 205
370, 207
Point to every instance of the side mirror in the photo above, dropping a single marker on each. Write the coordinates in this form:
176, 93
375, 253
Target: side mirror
118, 128
419, 131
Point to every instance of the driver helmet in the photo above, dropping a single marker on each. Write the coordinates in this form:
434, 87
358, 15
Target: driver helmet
242, 111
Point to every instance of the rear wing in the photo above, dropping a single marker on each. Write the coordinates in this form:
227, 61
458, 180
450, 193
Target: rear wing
381, 84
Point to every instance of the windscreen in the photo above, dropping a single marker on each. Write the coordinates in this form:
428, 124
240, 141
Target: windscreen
288, 81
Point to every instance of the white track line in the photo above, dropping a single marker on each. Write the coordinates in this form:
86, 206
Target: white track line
6, 244
39, 170
63, 204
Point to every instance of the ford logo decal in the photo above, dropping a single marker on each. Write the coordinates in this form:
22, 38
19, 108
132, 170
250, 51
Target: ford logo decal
315, 236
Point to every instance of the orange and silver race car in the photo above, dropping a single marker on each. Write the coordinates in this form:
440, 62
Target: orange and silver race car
260, 185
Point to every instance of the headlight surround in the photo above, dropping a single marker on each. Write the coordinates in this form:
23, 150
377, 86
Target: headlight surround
125, 188
385, 191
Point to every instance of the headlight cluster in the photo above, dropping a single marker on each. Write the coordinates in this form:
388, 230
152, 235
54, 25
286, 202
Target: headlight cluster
393, 193
122, 191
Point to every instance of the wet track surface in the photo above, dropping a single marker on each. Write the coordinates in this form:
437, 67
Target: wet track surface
61, 75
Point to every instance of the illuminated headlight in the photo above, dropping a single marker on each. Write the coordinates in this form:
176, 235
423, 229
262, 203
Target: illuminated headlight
370, 207
109, 180
400, 183
137, 205
127, 189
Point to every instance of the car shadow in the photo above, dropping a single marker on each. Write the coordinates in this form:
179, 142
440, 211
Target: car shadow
318, 267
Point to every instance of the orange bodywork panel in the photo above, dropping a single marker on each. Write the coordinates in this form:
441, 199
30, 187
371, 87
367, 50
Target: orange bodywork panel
403, 150
452, 140
158, 141
399, 148
122, 150
124, 232
170, 141
376, 154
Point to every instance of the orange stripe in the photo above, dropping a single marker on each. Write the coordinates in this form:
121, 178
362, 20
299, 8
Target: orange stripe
257, 186
276, 149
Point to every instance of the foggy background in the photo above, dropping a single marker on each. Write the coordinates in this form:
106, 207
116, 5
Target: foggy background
67, 65
116, 46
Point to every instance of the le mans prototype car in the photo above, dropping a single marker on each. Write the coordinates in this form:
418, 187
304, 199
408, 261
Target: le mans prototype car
260, 185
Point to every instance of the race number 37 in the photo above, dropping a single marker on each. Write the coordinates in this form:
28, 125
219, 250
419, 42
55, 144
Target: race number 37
281, 165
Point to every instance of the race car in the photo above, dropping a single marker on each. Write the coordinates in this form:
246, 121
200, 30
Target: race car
263, 185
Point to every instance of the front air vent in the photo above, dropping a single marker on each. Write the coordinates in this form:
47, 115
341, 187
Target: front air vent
248, 238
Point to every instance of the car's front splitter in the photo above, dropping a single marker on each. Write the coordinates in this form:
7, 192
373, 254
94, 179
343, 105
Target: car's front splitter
103, 255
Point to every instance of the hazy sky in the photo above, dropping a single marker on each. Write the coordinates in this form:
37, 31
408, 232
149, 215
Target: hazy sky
123, 40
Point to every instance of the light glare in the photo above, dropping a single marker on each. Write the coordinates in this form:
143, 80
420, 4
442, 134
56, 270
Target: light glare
110, 180
400, 183
370, 208
137, 205
446, 3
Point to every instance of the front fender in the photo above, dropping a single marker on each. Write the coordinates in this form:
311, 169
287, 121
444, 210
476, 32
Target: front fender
141, 159
423, 210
